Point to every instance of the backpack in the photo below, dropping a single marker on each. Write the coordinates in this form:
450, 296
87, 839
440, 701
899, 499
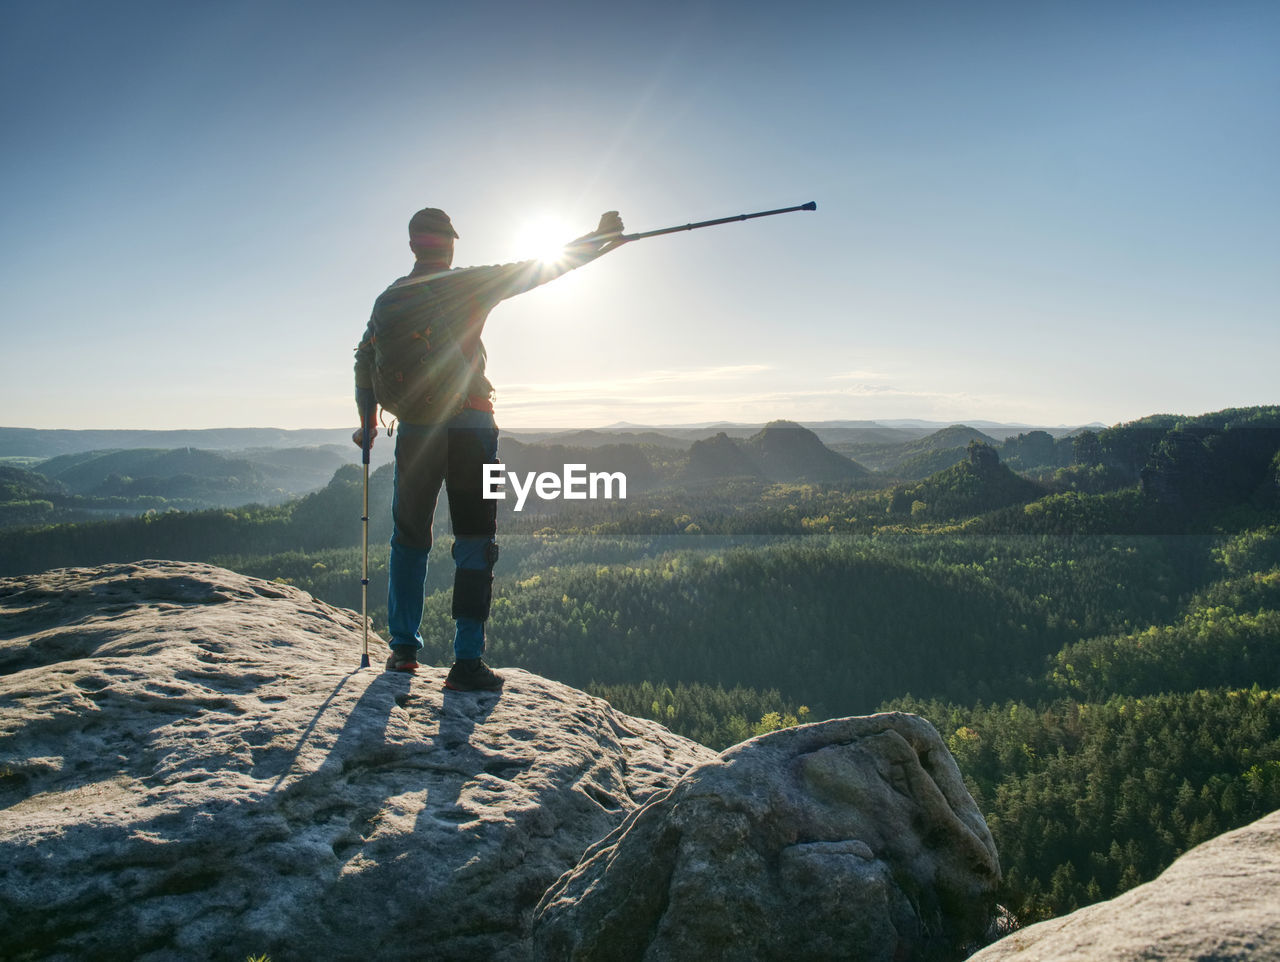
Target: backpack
420, 372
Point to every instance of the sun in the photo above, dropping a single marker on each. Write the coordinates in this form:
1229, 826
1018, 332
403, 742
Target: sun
543, 237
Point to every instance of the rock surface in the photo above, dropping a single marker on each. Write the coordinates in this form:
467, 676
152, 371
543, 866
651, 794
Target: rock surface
1220, 902
191, 767
847, 839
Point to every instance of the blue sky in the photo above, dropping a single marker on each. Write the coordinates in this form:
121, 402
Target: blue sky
1053, 213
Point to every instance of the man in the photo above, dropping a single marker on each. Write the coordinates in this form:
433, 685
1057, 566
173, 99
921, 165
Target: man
421, 359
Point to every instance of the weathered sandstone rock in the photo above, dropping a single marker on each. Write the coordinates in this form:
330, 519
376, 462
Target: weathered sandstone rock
191, 767
847, 839
1220, 902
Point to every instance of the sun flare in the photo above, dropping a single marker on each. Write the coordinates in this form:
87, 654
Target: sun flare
544, 237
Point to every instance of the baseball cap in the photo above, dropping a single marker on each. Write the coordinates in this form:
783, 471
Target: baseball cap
431, 220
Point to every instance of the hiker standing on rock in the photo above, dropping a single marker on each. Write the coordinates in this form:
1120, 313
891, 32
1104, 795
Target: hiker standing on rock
421, 359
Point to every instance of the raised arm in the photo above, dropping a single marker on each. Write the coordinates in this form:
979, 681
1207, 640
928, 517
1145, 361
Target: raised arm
507, 280
606, 237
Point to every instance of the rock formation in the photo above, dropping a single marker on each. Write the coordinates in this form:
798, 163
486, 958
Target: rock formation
1219, 902
848, 839
191, 767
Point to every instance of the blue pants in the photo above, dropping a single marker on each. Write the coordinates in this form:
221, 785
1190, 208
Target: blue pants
452, 454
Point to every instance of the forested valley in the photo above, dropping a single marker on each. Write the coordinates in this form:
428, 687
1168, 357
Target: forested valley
1091, 621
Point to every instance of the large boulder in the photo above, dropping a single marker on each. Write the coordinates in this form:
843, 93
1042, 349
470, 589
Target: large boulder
192, 767
846, 839
1220, 902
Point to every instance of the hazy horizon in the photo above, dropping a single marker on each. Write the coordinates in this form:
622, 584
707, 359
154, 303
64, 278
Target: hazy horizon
638, 426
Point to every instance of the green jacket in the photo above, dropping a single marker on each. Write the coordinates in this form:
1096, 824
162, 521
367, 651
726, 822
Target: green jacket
421, 353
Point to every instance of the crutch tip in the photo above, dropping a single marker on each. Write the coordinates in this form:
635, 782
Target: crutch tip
364, 661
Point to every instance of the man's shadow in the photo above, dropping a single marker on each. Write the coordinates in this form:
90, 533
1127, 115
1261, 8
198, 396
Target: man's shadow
363, 736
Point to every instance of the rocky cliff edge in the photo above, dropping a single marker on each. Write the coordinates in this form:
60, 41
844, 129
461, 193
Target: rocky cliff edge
192, 767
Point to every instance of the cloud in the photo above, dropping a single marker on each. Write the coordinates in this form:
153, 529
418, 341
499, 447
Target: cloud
860, 376
621, 388
671, 396
674, 407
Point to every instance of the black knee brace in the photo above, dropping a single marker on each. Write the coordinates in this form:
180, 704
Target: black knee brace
472, 593
473, 589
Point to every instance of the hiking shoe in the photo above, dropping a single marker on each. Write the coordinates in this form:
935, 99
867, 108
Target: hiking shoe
403, 658
472, 674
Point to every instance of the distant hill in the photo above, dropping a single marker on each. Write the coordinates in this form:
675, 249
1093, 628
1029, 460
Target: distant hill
1038, 452
595, 439
836, 434
780, 451
301, 469
786, 451
720, 457
32, 442
920, 457
183, 473
30, 498
978, 484
928, 462
27, 497
1217, 459
18, 484
685, 433
839, 435
1002, 430
219, 478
